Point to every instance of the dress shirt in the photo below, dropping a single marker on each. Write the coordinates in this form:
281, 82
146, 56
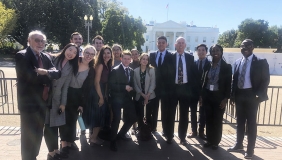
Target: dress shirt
185, 77
125, 70
158, 56
203, 62
247, 82
213, 77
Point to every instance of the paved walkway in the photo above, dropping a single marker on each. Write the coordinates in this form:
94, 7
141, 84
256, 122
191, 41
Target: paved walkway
157, 149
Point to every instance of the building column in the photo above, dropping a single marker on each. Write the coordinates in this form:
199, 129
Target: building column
154, 41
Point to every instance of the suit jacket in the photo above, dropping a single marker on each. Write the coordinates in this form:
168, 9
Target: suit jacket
224, 80
197, 87
259, 74
30, 85
59, 95
150, 83
189, 68
118, 81
162, 73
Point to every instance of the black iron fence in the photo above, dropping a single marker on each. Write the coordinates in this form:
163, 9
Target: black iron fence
269, 112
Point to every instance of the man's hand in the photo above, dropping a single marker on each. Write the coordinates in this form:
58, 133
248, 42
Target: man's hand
62, 107
41, 71
223, 103
80, 109
128, 88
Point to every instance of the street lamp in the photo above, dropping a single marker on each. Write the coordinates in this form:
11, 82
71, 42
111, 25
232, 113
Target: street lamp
88, 24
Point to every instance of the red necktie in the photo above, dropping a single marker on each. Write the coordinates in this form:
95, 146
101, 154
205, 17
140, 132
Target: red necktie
46, 89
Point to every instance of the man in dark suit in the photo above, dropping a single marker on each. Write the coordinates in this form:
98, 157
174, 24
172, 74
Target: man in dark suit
181, 81
33, 70
161, 60
249, 88
77, 39
200, 67
121, 90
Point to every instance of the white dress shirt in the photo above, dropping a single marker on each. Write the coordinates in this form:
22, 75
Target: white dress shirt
247, 82
185, 76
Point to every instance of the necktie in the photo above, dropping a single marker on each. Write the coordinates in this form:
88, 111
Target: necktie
160, 60
180, 70
45, 89
242, 74
200, 69
127, 74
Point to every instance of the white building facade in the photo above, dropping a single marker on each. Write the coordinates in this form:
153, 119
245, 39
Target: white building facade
172, 30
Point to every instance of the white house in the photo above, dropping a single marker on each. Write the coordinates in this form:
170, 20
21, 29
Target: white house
194, 35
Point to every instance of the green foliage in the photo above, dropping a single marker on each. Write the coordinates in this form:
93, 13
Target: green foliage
119, 27
227, 38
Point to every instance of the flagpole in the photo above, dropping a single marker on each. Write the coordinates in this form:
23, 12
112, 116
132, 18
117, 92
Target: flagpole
167, 6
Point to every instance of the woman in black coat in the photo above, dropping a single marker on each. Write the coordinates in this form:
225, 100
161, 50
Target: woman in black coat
215, 94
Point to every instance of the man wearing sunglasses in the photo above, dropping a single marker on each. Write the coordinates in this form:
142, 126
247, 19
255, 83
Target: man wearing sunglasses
249, 88
35, 71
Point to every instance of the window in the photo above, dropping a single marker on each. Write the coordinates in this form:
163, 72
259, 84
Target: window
196, 39
204, 39
212, 39
147, 37
188, 38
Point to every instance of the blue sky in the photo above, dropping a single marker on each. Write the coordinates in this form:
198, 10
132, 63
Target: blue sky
225, 14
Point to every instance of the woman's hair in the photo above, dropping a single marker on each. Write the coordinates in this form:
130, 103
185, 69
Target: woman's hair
141, 56
119, 46
100, 59
91, 63
220, 48
73, 62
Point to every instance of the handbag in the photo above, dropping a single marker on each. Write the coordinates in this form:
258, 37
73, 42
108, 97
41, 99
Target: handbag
81, 123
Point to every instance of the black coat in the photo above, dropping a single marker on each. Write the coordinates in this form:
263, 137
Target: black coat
30, 85
260, 77
224, 80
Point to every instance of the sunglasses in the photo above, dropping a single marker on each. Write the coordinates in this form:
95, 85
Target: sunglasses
39, 40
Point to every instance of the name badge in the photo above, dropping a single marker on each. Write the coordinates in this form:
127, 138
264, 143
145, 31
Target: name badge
211, 87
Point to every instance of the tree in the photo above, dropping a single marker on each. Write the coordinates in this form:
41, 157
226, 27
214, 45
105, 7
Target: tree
227, 38
253, 29
8, 19
119, 27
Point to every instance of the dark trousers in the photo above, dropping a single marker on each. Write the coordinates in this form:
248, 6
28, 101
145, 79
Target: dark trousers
193, 114
181, 96
51, 137
129, 115
31, 133
68, 131
151, 115
214, 116
246, 109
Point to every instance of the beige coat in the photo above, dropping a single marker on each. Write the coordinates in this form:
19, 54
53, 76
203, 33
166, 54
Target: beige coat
150, 83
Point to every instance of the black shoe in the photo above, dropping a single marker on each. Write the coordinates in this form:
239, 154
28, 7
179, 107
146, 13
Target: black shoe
192, 135
62, 155
214, 147
123, 137
248, 156
183, 142
73, 146
55, 157
169, 141
163, 134
236, 148
202, 136
65, 150
208, 144
113, 146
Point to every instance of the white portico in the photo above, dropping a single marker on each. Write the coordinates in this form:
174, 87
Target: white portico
172, 30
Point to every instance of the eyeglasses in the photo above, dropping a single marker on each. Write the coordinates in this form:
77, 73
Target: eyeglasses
40, 40
89, 54
246, 46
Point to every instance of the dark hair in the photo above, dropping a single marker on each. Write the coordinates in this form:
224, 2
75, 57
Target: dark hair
135, 50
202, 45
99, 38
73, 62
162, 37
100, 59
220, 48
249, 40
75, 33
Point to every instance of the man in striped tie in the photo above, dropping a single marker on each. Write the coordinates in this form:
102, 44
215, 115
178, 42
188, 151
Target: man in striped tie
249, 88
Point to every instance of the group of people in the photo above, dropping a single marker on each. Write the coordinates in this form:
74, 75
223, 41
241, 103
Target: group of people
98, 81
